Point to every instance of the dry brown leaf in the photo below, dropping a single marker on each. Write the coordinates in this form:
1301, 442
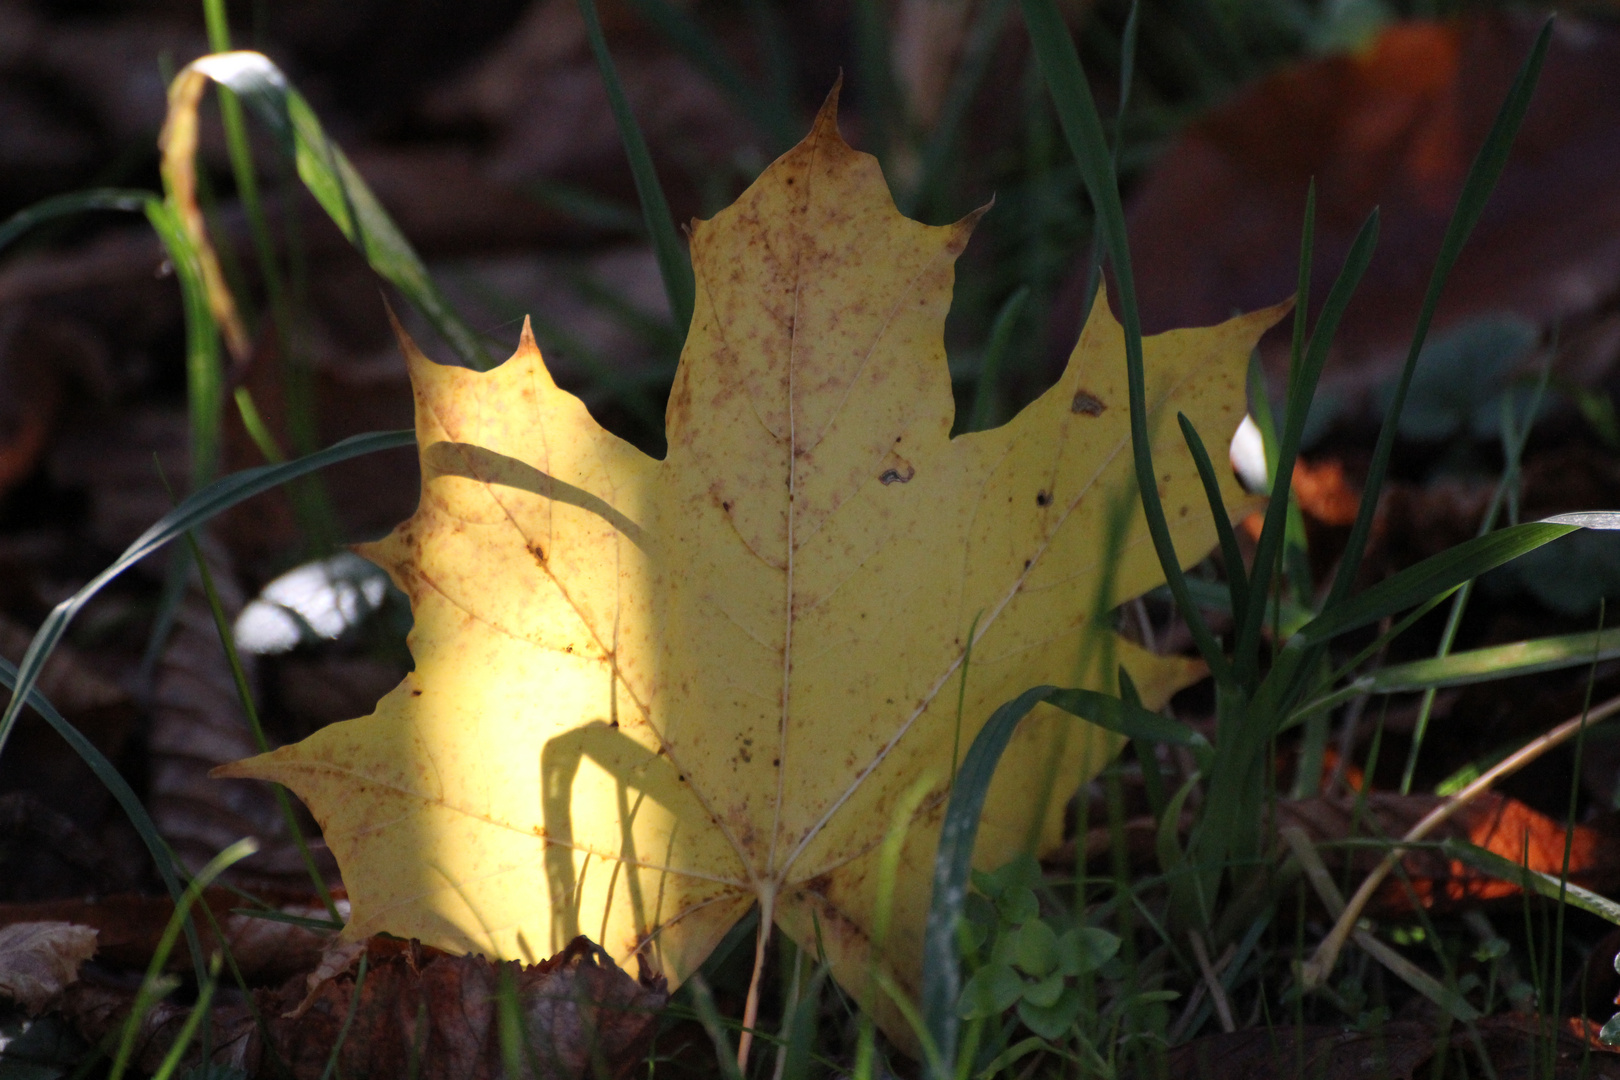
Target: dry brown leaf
38, 960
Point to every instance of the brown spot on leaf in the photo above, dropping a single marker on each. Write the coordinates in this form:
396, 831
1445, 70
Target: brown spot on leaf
539, 554
1086, 403
1043, 498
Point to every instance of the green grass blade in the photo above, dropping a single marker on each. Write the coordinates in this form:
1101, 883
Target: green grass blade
1302, 387
250, 709
936, 157
882, 114
341, 191
193, 511
1124, 718
1077, 115
348, 1020
147, 996
725, 1054
673, 263
1302, 287
766, 112
1434, 575
247, 179
1548, 885
986, 407
1127, 75
942, 973
1236, 578
76, 202
1496, 662
801, 1030
122, 794
188, 1030
205, 373
1482, 177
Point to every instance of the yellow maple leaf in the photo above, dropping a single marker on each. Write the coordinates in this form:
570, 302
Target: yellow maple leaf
649, 694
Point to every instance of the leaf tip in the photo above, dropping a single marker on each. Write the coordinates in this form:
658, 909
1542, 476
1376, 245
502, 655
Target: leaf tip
827, 116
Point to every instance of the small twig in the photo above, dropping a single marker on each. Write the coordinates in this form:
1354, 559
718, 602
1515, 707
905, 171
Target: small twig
1217, 992
1315, 971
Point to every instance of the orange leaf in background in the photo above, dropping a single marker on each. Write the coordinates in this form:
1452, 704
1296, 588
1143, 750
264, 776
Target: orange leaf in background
1215, 225
1501, 825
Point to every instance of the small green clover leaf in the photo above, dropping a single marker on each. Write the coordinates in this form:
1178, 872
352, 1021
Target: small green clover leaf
1045, 993
992, 991
1036, 948
1051, 1022
1085, 948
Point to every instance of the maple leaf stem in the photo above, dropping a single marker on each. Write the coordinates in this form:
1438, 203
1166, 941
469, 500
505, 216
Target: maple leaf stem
751, 1008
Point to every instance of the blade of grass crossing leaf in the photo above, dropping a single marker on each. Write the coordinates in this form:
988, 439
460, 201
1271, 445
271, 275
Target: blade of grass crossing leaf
338, 187
673, 263
1300, 391
77, 202
888, 871
1127, 71
1237, 579
194, 510
1077, 115
986, 408
942, 975
1477, 187
122, 794
799, 1052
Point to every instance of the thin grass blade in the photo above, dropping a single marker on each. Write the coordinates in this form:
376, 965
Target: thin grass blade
201, 506
1477, 187
985, 409
1302, 388
1495, 662
942, 973
1435, 575
936, 152
205, 374
1236, 578
673, 264
149, 994
765, 111
77, 202
1541, 884
122, 794
1077, 115
335, 184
